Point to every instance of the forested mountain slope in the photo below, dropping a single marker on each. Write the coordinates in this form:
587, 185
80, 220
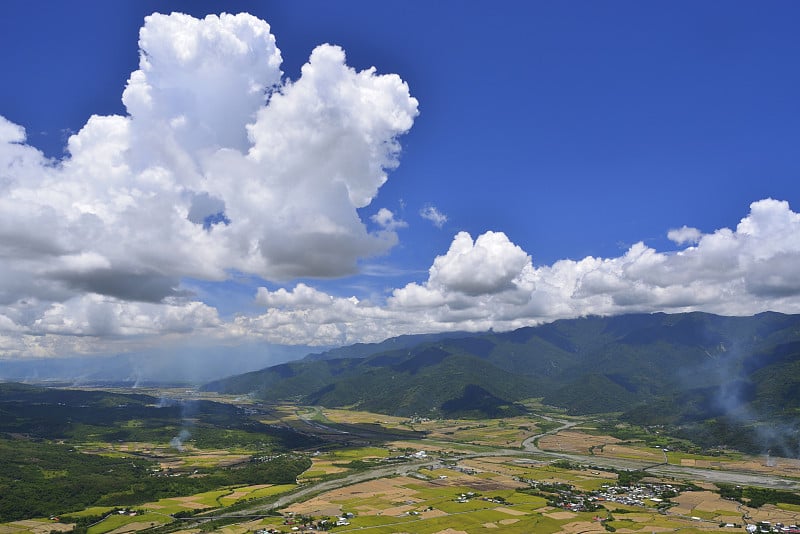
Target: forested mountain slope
677, 369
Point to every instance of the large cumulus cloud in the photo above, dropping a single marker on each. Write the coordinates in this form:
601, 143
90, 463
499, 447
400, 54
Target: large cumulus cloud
220, 165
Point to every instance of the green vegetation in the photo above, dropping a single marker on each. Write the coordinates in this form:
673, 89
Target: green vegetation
430, 381
99, 416
628, 478
44, 472
94, 480
757, 497
256, 493
28, 493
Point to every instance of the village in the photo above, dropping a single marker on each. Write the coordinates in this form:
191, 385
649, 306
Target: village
304, 523
649, 495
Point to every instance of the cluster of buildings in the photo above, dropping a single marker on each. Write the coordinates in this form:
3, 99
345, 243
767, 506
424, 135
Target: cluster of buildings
766, 526
636, 495
464, 497
306, 524
453, 467
568, 498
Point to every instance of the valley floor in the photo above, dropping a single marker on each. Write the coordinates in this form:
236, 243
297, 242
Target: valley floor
543, 472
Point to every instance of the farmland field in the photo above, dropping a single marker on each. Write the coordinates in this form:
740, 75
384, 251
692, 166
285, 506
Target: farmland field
382, 474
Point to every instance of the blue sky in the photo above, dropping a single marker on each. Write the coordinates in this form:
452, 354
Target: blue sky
573, 136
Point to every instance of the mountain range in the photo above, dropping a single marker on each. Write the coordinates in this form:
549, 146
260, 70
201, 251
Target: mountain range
711, 376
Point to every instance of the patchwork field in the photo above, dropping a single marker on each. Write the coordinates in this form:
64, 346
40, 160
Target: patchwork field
577, 442
456, 476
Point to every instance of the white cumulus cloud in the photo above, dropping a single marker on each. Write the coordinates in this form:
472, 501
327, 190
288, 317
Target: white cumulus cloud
684, 235
431, 213
386, 219
220, 165
490, 282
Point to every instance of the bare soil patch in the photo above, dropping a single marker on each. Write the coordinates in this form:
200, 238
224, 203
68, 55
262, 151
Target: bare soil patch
395, 511
510, 511
503, 470
432, 513
582, 527
188, 502
316, 507
390, 489
561, 515
626, 451
705, 501
573, 441
353, 417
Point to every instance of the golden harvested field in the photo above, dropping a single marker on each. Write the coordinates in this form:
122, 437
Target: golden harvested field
605, 446
708, 505
34, 526
498, 433
352, 417
501, 432
389, 490
630, 451
502, 468
582, 527
576, 441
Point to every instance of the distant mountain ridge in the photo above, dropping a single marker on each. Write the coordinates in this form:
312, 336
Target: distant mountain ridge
677, 369
362, 350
